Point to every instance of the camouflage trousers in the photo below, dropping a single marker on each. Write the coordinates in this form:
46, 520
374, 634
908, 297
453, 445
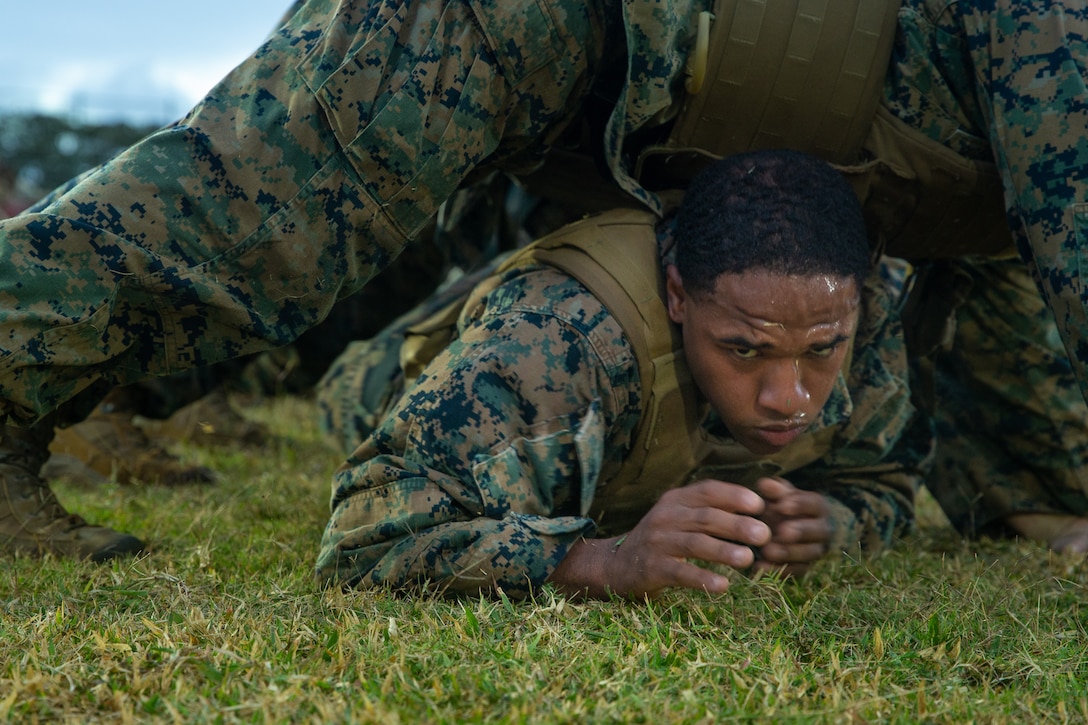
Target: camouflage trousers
1011, 424
1005, 81
293, 183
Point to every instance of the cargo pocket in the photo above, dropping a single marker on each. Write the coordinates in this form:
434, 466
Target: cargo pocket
95, 339
415, 105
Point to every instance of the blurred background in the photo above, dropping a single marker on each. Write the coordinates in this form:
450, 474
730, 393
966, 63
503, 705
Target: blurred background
80, 81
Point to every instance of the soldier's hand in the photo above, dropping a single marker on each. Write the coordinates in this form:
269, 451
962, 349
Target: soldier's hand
709, 520
800, 526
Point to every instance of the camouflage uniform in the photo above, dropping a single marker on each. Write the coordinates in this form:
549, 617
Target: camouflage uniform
496, 460
1007, 409
1011, 420
307, 168
303, 173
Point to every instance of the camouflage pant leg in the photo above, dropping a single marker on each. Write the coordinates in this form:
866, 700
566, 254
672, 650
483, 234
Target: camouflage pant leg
1006, 80
301, 175
1012, 426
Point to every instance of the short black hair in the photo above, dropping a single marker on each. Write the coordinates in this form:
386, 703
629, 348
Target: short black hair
779, 211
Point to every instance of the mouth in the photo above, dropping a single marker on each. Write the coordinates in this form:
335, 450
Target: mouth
779, 435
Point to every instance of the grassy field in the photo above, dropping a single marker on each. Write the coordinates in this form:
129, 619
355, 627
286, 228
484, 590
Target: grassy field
221, 622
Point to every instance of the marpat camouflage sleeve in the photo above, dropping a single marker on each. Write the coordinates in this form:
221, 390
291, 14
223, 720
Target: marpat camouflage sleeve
482, 475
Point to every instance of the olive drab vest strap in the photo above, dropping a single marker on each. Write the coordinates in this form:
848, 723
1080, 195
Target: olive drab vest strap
424, 340
782, 74
615, 256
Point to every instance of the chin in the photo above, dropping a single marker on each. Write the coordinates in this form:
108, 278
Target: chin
760, 448
753, 444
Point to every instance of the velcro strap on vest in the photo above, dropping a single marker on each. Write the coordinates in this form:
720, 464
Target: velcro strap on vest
783, 74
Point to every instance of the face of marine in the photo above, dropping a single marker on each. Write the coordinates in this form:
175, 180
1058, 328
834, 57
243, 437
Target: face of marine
766, 348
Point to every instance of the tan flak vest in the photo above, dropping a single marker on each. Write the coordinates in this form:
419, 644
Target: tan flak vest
808, 76
615, 255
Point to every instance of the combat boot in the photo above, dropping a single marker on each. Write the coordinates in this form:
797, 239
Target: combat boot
32, 520
210, 421
111, 444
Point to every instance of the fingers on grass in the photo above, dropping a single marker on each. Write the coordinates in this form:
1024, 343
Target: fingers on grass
776, 553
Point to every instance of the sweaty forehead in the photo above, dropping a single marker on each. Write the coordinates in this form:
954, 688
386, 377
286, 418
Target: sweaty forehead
764, 298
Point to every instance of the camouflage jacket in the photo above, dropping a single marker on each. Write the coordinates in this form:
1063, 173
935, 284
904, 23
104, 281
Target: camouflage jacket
487, 470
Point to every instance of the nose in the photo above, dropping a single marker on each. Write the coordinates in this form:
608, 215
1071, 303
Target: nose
783, 393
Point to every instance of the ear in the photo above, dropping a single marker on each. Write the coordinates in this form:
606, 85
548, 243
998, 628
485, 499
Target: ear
674, 291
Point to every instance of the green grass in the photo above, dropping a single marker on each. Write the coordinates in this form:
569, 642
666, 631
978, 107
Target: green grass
222, 622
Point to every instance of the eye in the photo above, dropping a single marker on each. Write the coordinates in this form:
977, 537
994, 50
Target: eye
823, 350
745, 353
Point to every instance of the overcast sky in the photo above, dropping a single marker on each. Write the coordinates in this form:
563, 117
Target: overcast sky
141, 61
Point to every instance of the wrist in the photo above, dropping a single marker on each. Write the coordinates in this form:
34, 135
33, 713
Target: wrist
585, 570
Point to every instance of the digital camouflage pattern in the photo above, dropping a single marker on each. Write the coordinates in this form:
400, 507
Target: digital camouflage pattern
1010, 417
1004, 80
301, 175
465, 472
1008, 412
488, 469
308, 167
